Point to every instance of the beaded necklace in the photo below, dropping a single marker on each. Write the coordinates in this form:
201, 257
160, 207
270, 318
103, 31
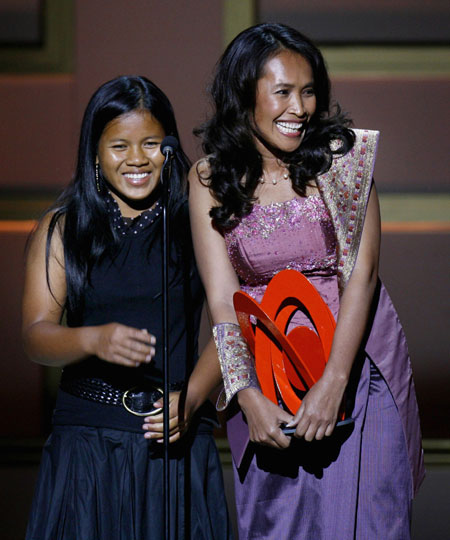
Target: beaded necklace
131, 226
262, 180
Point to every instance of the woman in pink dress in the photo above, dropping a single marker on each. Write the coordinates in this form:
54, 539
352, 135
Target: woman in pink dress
287, 184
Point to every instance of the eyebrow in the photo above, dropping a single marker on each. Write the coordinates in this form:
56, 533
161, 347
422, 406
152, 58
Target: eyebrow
120, 139
290, 85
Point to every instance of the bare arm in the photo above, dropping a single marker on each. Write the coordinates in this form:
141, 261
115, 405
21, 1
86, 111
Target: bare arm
220, 281
318, 412
48, 342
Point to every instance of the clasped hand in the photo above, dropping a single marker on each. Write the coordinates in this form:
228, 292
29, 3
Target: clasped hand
318, 413
315, 419
178, 420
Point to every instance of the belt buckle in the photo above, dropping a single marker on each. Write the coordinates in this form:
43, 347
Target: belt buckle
136, 413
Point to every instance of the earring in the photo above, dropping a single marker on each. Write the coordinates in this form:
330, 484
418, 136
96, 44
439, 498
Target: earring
97, 182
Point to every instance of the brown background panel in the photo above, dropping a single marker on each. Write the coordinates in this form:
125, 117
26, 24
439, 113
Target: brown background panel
21, 394
36, 131
414, 268
413, 118
173, 43
349, 21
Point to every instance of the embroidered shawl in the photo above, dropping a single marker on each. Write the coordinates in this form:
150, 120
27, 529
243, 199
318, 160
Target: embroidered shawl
345, 190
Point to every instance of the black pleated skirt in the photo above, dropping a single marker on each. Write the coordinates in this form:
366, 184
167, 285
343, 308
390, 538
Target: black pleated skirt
107, 484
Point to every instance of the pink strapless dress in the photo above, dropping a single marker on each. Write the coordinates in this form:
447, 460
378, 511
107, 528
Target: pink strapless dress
356, 483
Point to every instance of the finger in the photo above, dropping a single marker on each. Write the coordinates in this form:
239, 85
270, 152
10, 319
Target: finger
122, 353
118, 358
172, 439
302, 428
295, 420
311, 432
143, 336
285, 418
159, 438
329, 430
320, 433
281, 440
136, 351
154, 419
159, 426
152, 426
173, 406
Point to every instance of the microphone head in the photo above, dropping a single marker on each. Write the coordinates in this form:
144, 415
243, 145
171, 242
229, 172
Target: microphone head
169, 145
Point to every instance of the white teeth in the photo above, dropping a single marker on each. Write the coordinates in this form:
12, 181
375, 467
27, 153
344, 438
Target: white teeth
289, 127
136, 175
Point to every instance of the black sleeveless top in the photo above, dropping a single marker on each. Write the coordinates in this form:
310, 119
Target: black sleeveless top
125, 287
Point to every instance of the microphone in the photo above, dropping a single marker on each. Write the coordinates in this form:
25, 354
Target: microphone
169, 146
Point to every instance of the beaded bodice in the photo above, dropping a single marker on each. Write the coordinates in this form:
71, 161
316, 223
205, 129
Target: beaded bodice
296, 234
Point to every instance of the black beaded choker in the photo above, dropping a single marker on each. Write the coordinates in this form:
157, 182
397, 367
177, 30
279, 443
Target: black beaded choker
131, 226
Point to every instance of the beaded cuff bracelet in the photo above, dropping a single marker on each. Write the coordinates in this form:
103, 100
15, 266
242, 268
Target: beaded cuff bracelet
236, 362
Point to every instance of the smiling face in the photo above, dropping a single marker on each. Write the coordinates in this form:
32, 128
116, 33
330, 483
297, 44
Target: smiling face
285, 102
130, 159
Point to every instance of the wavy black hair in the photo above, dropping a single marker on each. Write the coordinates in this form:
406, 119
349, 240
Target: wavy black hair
228, 137
81, 212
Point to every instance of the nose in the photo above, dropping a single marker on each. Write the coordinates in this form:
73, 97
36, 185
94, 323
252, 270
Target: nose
136, 156
297, 107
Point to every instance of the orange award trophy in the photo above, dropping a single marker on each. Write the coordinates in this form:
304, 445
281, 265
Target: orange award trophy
287, 364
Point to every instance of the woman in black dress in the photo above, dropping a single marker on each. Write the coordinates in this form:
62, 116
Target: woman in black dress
96, 256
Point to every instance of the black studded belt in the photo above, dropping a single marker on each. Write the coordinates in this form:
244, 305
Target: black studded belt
137, 400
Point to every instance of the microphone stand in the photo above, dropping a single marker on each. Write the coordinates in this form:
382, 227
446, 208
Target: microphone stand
166, 173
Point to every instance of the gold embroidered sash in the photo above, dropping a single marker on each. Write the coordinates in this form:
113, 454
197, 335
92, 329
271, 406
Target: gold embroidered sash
345, 190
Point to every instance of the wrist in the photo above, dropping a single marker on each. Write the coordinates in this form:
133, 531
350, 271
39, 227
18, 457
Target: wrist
193, 402
247, 395
334, 376
88, 340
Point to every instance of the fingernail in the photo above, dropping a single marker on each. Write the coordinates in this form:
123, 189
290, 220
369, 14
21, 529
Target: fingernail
148, 358
137, 364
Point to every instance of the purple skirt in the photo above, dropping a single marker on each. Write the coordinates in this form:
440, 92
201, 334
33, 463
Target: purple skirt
355, 484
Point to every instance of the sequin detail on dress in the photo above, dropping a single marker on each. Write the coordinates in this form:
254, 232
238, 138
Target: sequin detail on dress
296, 234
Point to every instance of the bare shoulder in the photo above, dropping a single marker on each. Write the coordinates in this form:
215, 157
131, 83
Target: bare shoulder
40, 234
200, 173
200, 192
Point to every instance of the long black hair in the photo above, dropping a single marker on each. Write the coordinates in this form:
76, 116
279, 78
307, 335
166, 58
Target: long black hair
229, 136
81, 212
